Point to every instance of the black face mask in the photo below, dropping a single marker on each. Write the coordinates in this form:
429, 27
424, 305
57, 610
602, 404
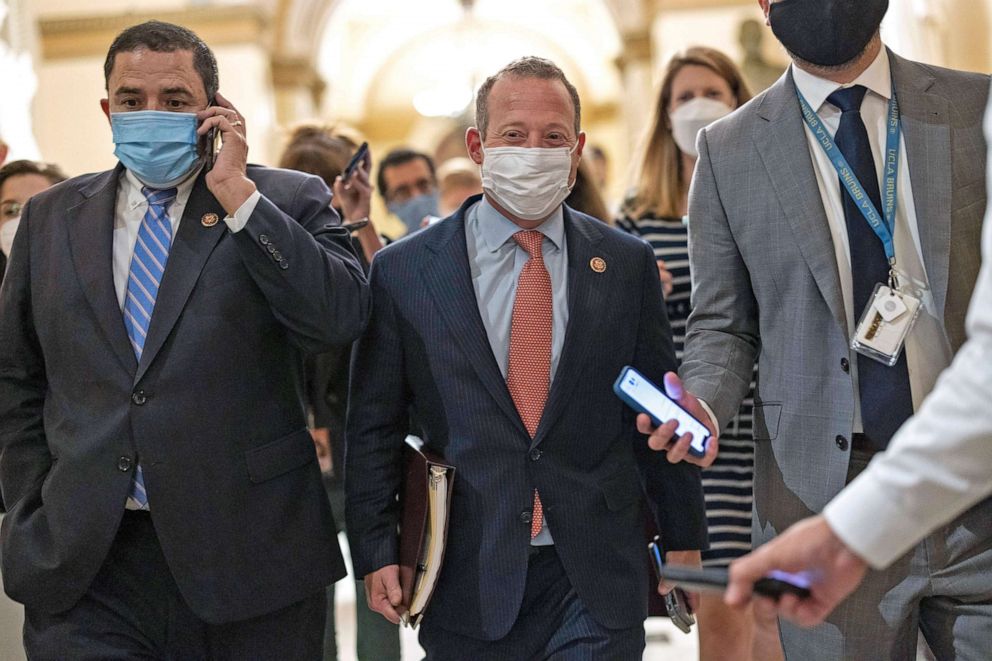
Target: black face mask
827, 33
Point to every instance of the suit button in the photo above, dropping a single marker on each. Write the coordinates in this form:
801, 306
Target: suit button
845, 365
283, 264
277, 256
124, 464
139, 397
841, 442
525, 516
271, 248
263, 239
535, 455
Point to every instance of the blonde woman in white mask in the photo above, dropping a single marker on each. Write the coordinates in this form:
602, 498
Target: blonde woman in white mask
699, 86
19, 180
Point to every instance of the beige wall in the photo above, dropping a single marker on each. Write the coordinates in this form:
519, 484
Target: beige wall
72, 131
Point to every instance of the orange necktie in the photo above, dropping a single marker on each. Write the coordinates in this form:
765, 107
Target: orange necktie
529, 373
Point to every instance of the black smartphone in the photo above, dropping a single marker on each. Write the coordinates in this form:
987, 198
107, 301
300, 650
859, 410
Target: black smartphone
356, 158
212, 144
774, 585
675, 601
355, 226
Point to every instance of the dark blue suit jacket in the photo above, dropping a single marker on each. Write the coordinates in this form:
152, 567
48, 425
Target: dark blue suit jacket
426, 351
213, 410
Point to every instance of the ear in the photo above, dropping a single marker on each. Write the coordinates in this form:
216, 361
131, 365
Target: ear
580, 145
105, 107
765, 4
473, 142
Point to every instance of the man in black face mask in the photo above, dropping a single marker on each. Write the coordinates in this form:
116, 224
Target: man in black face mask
834, 232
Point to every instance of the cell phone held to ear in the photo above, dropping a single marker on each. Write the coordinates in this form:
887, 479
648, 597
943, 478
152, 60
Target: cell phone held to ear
645, 397
211, 144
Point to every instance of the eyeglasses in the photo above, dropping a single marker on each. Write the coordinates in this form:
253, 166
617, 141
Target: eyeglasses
10, 210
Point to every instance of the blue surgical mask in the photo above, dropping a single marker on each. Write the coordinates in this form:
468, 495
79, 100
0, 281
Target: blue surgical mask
413, 210
159, 147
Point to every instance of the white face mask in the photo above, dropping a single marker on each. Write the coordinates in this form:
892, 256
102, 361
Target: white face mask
529, 182
693, 116
7, 232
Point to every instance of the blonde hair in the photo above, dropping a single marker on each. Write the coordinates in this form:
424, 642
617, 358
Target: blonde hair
659, 190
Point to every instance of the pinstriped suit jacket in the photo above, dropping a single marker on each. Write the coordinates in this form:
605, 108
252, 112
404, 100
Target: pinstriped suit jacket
765, 275
426, 351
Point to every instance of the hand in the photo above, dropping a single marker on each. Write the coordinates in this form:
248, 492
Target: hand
383, 593
322, 440
355, 194
667, 279
808, 546
661, 437
687, 558
228, 179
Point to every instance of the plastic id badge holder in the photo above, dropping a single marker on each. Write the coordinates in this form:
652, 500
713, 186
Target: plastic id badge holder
885, 323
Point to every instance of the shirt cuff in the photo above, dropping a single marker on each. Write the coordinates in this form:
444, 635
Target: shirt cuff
237, 222
871, 523
709, 412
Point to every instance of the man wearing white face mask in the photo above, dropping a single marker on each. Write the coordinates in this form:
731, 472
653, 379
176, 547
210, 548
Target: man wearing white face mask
491, 326
19, 180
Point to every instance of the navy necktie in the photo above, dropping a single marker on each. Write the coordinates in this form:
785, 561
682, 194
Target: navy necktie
886, 397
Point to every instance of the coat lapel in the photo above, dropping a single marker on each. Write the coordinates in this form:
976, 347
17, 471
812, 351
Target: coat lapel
190, 249
587, 298
449, 279
91, 243
928, 149
790, 168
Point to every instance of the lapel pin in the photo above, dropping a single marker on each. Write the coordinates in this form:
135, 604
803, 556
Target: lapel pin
209, 219
597, 264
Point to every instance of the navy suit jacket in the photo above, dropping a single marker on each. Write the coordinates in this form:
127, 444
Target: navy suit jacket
213, 410
426, 351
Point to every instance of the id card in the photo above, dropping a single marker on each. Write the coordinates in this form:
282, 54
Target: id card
886, 322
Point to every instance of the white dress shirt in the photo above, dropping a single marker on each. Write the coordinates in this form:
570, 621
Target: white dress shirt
928, 350
940, 462
130, 211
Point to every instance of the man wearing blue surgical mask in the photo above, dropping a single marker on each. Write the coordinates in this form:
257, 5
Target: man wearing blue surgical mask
163, 492
502, 329
408, 184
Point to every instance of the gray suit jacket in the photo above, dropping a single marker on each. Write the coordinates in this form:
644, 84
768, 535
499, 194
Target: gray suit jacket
765, 279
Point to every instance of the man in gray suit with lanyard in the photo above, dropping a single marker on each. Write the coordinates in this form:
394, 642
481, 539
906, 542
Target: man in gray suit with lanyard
834, 233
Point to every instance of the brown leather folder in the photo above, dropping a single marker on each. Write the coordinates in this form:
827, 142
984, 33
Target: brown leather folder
426, 509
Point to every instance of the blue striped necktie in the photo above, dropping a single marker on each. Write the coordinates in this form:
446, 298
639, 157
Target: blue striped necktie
151, 252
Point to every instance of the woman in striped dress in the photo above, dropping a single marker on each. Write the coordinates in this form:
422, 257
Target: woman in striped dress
699, 87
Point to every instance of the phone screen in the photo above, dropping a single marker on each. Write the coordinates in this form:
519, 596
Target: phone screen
659, 406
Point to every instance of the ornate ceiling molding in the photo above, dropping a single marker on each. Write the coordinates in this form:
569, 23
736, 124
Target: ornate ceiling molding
87, 36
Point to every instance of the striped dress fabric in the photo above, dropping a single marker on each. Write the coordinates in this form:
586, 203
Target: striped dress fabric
727, 484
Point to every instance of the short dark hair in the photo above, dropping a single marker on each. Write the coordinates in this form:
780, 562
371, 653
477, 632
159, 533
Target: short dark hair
524, 67
162, 37
50, 171
396, 157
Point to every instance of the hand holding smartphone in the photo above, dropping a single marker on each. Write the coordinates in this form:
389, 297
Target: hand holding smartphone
675, 601
645, 397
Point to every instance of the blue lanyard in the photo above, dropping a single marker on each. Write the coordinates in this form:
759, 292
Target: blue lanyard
883, 226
